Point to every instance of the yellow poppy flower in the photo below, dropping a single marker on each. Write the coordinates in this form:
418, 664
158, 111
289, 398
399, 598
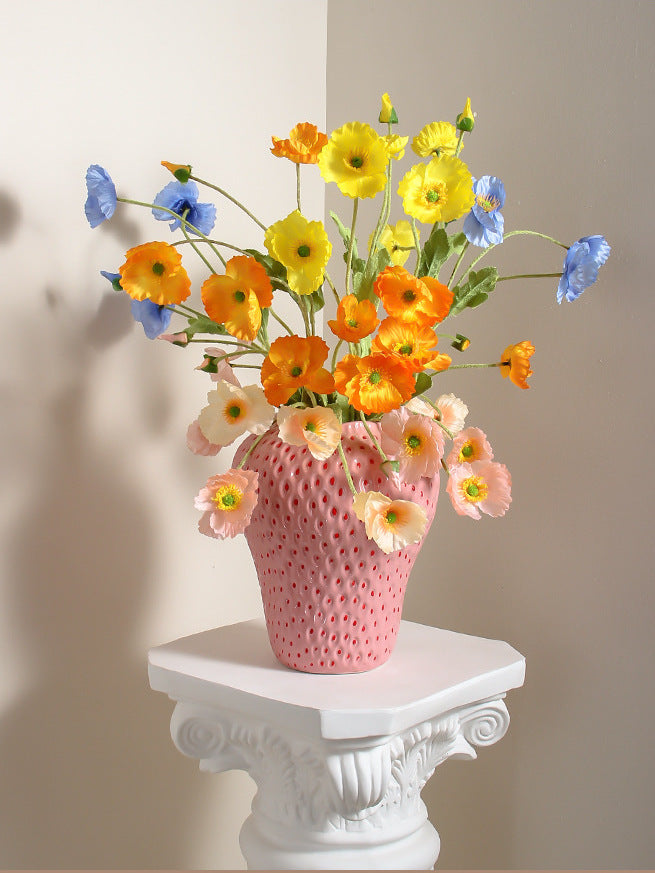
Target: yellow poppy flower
397, 239
356, 159
154, 271
302, 247
388, 114
396, 145
437, 138
441, 190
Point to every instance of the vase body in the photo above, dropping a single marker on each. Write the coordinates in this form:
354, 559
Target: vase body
332, 599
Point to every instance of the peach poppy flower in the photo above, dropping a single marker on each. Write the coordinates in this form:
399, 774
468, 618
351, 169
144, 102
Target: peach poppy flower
303, 145
355, 319
198, 443
295, 362
154, 271
227, 502
236, 299
423, 301
468, 446
376, 383
413, 343
483, 486
232, 411
415, 441
316, 427
392, 524
515, 363
451, 412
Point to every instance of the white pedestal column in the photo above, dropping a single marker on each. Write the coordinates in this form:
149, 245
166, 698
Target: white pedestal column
339, 761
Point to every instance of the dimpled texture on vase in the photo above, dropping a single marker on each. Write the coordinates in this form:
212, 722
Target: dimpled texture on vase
332, 599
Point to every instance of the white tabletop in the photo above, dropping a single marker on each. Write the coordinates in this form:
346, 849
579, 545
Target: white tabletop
430, 672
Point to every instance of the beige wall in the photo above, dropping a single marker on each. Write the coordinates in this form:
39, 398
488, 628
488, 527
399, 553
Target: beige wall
564, 96
99, 555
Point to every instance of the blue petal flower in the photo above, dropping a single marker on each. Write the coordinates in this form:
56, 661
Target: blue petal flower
181, 198
101, 199
484, 225
581, 266
154, 318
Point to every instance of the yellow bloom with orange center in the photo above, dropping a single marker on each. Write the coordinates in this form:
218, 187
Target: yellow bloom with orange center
441, 190
515, 363
398, 240
413, 343
423, 301
154, 271
376, 383
237, 298
302, 247
355, 319
355, 157
437, 138
295, 362
303, 145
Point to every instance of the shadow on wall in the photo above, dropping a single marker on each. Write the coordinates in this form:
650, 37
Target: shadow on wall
90, 777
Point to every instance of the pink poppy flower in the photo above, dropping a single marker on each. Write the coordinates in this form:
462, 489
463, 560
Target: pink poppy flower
392, 524
469, 445
224, 371
316, 427
227, 502
484, 486
415, 441
198, 443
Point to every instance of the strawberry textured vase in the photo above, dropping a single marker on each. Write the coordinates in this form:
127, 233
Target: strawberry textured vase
332, 598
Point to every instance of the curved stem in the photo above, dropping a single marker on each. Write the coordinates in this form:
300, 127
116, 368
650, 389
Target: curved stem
344, 464
507, 236
332, 286
334, 355
351, 243
459, 261
385, 459
417, 245
529, 276
279, 320
254, 445
231, 198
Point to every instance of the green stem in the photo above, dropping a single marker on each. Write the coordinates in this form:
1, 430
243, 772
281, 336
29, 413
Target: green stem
246, 366
351, 243
459, 261
507, 236
385, 459
437, 418
298, 186
200, 254
459, 143
332, 286
256, 442
231, 198
383, 218
334, 354
472, 366
417, 245
175, 307
529, 276
344, 464
279, 320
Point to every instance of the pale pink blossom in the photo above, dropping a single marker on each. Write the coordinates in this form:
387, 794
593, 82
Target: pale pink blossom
471, 444
316, 427
415, 441
392, 524
179, 339
233, 411
198, 443
227, 502
484, 486
224, 371
450, 411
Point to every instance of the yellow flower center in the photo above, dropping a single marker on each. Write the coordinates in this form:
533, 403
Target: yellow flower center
413, 444
228, 497
474, 489
436, 193
158, 268
487, 202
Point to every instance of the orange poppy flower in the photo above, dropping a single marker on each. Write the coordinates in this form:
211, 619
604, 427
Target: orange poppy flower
303, 146
295, 362
154, 271
355, 319
413, 343
377, 383
237, 298
418, 301
515, 363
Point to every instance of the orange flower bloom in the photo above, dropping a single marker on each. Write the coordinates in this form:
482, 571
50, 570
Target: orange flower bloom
303, 146
413, 343
355, 319
295, 362
154, 271
377, 383
237, 298
515, 363
417, 301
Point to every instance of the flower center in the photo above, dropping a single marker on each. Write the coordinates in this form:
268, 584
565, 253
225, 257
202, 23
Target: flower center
374, 377
357, 162
304, 251
390, 517
311, 427
413, 444
158, 268
467, 450
406, 349
409, 295
296, 371
239, 296
234, 411
487, 202
474, 489
228, 497
351, 322
436, 193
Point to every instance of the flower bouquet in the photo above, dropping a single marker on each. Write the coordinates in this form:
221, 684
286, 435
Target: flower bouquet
337, 476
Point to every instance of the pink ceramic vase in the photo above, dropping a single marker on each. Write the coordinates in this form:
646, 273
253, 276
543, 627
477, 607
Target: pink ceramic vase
332, 599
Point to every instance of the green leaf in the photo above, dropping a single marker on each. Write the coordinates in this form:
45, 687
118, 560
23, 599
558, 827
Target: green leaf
476, 289
344, 232
363, 282
203, 324
274, 269
317, 300
423, 383
438, 248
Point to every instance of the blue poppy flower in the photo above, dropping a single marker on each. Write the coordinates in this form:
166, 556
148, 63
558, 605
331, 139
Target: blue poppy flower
181, 198
581, 265
484, 225
154, 318
101, 199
